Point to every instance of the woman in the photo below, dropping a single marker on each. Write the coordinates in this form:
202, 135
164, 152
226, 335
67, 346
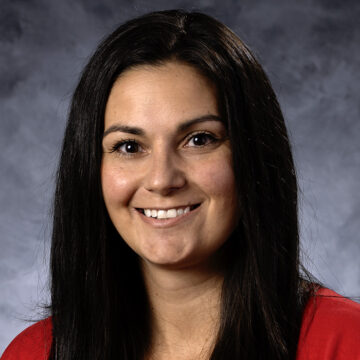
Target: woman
175, 229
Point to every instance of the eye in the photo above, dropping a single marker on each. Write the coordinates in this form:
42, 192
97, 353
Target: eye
126, 147
201, 139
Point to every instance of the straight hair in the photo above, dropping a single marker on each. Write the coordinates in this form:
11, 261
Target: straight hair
99, 305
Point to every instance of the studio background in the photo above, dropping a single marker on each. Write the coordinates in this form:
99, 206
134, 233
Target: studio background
310, 50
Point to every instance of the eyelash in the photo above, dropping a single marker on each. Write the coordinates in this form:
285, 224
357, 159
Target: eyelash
115, 148
208, 135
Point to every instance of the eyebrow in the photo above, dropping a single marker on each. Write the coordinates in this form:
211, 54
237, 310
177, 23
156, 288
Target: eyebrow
185, 125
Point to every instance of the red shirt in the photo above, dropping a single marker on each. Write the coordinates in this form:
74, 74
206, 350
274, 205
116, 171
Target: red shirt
330, 330
33, 343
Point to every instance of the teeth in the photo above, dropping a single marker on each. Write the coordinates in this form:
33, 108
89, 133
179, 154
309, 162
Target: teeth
171, 213
166, 214
161, 214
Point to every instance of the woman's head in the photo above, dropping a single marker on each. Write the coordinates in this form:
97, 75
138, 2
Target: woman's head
246, 102
86, 246
166, 154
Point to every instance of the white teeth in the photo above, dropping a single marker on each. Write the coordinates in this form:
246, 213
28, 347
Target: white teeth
161, 214
171, 213
166, 214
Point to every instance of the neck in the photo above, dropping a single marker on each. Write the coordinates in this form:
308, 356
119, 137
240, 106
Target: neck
185, 308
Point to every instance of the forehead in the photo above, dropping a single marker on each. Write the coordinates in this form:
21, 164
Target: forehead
158, 95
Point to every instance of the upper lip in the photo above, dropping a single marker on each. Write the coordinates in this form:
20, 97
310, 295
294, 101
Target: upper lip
167, 208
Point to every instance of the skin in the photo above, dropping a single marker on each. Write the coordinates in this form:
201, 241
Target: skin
173, 162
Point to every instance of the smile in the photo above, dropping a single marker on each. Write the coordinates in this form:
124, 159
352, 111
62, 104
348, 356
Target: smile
167, 213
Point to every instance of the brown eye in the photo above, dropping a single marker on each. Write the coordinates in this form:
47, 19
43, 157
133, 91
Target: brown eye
201, 139
126, 147
130, 147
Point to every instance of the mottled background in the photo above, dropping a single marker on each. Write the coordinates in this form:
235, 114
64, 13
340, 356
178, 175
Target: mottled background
310, 50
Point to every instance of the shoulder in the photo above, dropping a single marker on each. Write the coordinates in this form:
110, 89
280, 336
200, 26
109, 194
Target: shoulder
330, 328
33, 343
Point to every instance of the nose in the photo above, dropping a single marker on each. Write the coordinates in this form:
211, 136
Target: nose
164, 174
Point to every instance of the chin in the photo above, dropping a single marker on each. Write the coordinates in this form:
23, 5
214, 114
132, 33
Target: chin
177, 261
166, 260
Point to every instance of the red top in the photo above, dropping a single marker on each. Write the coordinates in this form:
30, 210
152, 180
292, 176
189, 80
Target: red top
32, 344
330, 328
330, 331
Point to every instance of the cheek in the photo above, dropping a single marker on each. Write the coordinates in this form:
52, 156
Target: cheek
117, 185
217, 179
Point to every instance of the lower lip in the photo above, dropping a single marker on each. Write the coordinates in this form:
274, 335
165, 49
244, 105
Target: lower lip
165, 223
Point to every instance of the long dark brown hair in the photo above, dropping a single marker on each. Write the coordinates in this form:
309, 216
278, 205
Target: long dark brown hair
99, 305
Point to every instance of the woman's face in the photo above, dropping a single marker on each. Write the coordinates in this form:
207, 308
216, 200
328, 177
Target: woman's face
167, 175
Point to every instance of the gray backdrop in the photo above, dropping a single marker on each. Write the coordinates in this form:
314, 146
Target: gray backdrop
310, 50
